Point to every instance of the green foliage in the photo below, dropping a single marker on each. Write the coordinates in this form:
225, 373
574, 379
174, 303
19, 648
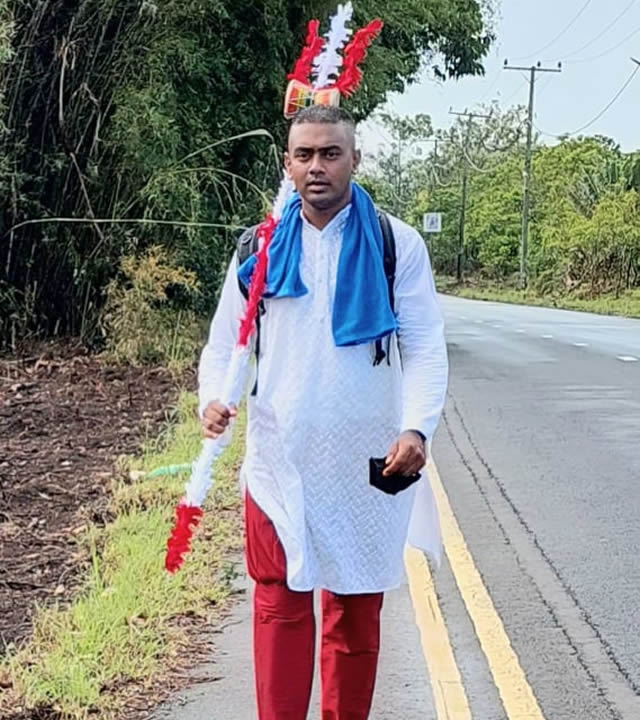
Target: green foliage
115, 109
585, 207
397, 176
586, 219
626, 304
122, 628
141, 326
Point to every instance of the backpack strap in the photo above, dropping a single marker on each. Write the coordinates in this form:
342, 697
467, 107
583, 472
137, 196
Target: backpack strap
389, 255
389, 258
248, 244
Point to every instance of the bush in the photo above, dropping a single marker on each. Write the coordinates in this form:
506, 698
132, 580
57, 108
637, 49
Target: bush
144, 323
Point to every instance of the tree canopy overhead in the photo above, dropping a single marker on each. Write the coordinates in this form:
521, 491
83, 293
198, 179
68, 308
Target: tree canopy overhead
112, 108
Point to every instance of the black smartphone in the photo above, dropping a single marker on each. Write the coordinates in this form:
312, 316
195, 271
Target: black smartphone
390, 484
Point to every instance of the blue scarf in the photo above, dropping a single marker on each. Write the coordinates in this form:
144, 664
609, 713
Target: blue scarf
361, 309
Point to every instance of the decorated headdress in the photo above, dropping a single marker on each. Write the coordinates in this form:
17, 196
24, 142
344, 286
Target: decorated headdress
321, 76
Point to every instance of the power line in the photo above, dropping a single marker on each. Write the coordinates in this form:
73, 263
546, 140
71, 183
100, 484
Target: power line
606, 52
491, 87
541, 88
508, 145
436, 177
602, 112
509, 98
572, 22
472, 165
604, 31
515, 92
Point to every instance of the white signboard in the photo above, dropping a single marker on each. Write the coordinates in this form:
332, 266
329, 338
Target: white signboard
432, 222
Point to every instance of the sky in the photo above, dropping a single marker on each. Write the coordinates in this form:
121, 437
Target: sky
595, 65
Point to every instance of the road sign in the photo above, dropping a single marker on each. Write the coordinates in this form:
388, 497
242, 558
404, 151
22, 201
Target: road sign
432, 222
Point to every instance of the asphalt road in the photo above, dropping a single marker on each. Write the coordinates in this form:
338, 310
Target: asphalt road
536, 608
539, 452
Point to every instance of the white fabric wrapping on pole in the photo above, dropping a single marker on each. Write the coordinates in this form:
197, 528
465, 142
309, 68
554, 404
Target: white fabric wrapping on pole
284, 193
235, 382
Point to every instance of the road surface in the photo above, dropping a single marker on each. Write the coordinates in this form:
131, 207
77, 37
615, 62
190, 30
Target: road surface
535, 612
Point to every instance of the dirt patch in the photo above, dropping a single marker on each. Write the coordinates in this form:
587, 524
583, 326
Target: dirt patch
65, 418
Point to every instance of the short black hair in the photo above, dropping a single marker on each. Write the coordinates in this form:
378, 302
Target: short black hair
324, 114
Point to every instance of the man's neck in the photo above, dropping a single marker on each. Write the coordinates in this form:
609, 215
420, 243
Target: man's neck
321, 218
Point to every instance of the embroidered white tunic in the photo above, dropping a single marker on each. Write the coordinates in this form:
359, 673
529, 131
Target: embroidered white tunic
322, 411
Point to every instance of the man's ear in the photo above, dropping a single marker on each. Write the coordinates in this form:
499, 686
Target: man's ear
357, 158
287, 164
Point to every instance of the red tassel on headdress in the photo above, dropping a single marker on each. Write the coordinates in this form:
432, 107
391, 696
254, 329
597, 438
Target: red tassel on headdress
179, 543
314, 45
354, 54
258, 280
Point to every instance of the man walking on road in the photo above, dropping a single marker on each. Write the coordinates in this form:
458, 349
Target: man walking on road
348, 369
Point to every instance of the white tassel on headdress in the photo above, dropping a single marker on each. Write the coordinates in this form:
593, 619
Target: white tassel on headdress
326, 67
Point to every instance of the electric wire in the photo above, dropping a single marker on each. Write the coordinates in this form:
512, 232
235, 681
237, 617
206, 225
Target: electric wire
599, 115
604, 31
606, 52
572, 22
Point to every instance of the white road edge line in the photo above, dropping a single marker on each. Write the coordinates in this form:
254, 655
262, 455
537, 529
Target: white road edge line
628, 358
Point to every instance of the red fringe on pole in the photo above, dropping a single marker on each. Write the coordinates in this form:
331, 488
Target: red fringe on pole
258, 281
179, 543
314, 45
354, 54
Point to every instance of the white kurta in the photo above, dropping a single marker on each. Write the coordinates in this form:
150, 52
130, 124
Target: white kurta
322, 411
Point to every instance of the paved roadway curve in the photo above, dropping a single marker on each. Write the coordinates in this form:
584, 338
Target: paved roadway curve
537, 611
540, 454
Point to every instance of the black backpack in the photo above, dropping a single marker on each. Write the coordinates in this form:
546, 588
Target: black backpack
247, 245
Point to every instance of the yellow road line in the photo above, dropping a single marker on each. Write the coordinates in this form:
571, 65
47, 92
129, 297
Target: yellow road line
517, 696
448, 691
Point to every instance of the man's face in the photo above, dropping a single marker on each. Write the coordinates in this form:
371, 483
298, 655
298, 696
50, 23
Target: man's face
321, 160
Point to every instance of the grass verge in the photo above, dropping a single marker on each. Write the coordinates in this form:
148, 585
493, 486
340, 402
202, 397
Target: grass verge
627, 304
124, 629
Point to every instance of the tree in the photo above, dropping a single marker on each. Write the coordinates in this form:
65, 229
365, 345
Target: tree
397, 175
113, 109
489, 151
585, 213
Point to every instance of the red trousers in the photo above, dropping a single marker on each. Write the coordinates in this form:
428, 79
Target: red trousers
284, 637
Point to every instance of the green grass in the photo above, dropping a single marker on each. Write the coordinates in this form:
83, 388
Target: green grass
122, 627
628, 304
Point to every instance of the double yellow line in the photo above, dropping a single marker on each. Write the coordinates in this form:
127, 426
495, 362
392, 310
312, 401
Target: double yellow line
449, 693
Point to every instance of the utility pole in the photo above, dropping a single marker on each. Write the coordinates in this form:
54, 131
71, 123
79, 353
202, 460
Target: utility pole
401, 137
465, 186
526, 201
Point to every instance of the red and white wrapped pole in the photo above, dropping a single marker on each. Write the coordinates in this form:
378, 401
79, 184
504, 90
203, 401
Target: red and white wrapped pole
189, 510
